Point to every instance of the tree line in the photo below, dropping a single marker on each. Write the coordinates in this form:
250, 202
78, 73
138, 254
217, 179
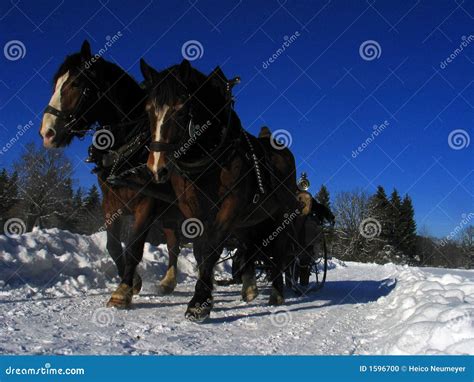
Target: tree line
381, 229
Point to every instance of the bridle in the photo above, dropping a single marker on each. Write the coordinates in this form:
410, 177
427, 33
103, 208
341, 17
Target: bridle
71, 118
198, 166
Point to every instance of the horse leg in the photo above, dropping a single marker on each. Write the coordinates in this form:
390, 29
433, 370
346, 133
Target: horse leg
168, 283
279, 249
208, 252
122, 297
114, 245
247, 271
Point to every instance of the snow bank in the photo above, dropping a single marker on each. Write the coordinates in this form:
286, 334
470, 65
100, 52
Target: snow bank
62, 263
425, 314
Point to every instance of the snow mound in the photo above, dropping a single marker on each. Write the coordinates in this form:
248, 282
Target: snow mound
426, 314
61, 263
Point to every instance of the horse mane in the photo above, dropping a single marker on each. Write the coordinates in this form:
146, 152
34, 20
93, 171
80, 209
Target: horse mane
171, 87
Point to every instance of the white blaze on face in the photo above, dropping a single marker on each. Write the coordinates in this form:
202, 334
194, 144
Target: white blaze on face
160, 117
49, 120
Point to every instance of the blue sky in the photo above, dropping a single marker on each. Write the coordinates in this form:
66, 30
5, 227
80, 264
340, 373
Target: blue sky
321, 89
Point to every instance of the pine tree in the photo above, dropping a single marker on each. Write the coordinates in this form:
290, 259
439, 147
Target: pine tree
8, 193
379, 218
394, 219
407, 228
92, 218
323, 196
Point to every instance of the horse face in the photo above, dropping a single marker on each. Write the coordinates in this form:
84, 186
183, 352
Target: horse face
167, 127
57, 127
181, 106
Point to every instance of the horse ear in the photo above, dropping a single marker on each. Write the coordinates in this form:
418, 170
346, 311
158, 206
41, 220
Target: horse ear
86, 50
185, 69
147, 71
218, 79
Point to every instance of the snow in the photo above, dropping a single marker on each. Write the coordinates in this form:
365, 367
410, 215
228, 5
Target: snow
54, 286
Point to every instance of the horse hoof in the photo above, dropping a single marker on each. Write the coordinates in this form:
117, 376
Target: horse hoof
165, 289
276, 299
137, 284
121, 298
250, 293
199, 312
198, 316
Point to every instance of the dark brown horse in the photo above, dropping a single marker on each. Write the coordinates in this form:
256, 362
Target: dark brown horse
90, 91
226, 180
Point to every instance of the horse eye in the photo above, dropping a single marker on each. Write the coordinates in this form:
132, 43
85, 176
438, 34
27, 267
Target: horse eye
75, 84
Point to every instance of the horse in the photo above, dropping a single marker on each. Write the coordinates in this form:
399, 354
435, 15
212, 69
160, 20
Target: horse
90, 91
225, 180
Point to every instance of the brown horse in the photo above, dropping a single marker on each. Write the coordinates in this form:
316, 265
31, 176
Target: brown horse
226, 181
87, 91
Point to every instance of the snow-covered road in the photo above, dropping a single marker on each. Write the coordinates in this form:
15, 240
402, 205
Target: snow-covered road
53, 295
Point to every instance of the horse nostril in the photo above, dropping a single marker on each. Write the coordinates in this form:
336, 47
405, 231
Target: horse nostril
50, 133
